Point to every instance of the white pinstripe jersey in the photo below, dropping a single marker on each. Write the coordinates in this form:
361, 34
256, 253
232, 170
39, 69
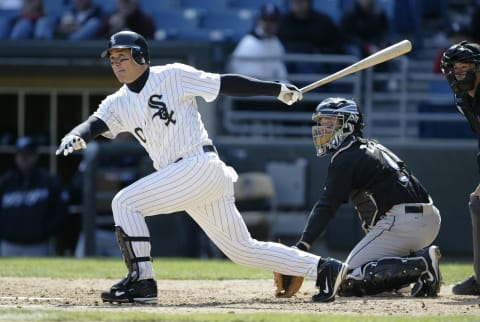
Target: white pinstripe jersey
164, 116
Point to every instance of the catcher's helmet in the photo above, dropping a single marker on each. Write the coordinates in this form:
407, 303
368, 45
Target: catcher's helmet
129, 39
345, 119
463, 52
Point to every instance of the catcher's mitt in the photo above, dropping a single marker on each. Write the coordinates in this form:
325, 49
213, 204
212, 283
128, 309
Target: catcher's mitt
286, 285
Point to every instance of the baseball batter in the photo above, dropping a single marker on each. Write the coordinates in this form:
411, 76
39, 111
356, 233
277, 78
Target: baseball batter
397, 213
157, 104
460, 64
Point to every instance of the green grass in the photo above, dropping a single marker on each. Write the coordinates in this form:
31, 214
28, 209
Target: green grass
177, 268
165, 268
55, 315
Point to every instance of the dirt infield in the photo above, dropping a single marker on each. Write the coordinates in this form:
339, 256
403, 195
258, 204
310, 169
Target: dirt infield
239, 296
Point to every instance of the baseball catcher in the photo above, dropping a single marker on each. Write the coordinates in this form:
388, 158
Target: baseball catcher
397, 214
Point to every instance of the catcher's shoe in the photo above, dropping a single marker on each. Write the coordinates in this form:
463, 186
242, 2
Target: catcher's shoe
468, 286
126, 291
331, 273
429, 282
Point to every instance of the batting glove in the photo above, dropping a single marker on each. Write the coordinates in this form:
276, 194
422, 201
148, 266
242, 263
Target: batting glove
289, 94
70, 143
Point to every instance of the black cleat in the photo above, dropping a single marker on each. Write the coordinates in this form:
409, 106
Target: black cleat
126, 291
330, 275
430, 281
468, 286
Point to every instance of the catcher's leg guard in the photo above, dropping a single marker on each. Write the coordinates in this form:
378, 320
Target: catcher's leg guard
130, 289
428, 284
384, 275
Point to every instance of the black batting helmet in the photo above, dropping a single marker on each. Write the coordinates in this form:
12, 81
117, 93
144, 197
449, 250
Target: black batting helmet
349, 122
132, 40
463, 52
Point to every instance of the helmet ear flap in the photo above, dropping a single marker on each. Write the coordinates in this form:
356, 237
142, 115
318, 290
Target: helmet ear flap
138, 56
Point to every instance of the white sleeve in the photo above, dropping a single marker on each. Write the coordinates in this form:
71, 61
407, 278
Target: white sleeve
196, 82
107, 112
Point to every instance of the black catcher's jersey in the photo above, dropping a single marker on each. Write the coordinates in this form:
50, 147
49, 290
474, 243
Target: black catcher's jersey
372, 177
366, 166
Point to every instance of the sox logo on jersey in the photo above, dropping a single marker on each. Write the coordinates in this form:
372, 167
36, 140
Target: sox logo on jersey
155, 102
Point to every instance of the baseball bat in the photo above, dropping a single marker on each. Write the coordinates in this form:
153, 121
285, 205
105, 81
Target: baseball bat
381, 56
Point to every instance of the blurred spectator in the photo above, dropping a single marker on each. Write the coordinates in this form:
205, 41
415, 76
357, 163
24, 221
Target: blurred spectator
10, 4
304, 30
455, 34
366, 26
475, 22
6, 18
261, 42
413, 16
32, 23
33, 205
82, 21
129, 16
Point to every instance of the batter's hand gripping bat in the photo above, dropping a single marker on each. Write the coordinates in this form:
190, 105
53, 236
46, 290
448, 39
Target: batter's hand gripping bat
381, 56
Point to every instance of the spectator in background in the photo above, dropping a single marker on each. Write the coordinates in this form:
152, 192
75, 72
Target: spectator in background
455, 34
81, 22
475, 22
129, 16
304, 30
32, 23
10, 4
261, 43
366, 26
33, 205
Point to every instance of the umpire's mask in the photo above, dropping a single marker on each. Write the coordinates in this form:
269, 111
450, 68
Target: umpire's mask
461, 80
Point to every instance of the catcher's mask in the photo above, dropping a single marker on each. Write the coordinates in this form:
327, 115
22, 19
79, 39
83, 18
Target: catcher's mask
335, 119
463, 52
132, 40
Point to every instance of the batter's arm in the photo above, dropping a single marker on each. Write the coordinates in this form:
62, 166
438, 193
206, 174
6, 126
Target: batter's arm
239, 85
78, 137
90, 129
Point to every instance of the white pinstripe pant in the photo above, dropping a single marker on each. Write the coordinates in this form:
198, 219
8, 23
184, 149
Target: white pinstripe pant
202, 185
397, 235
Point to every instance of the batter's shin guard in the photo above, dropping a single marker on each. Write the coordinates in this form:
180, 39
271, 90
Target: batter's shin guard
131, 260
387, 274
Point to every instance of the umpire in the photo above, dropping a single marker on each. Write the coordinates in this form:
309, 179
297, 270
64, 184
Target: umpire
460, 66
397, 213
